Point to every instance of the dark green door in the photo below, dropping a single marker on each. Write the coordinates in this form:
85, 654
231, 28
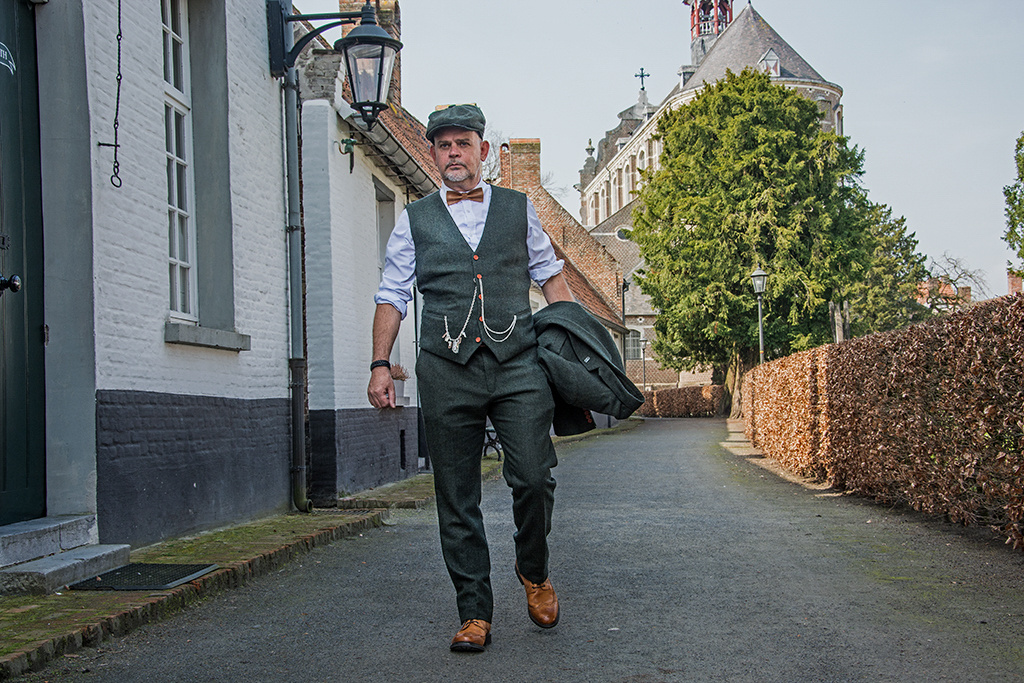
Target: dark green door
22, 450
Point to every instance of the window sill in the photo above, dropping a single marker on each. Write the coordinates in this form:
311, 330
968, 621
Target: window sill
196, 335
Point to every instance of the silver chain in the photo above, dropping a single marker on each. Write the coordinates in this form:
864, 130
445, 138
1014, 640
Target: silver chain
497, 337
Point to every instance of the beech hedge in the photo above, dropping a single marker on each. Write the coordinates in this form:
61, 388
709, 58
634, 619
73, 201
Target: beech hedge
931, 416
704, 401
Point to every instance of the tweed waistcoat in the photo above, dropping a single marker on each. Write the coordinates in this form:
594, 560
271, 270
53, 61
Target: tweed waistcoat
451, 276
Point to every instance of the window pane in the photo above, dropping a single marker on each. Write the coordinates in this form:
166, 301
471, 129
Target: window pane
177, 59
167, 57
168, 130
183, 238
176, 16
172, 287
182, 188
171, 232
184, 299
179, 135
170, 182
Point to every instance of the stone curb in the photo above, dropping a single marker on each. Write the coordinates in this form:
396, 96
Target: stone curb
161, 605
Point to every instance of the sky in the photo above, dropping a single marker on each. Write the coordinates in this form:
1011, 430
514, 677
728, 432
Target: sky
933, 91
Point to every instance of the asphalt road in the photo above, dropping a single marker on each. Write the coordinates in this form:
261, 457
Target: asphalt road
675, 558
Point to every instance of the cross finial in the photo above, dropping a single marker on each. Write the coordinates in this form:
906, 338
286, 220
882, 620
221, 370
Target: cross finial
642, 75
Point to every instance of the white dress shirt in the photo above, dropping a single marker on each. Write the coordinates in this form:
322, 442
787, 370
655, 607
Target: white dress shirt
470, 217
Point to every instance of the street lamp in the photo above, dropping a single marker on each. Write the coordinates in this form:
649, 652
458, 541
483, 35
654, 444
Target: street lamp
643, 359
368, 51
369, 55
759, 278
625, 288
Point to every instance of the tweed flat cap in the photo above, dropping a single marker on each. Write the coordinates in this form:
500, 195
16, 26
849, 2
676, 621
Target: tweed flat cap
466, 116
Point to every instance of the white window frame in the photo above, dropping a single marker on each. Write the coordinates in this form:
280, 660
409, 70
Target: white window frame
181, 225
634, 346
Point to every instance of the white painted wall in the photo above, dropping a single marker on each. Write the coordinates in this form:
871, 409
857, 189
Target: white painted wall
341, 264
130, 223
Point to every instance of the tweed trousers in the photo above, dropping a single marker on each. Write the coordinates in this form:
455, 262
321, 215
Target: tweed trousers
456, 401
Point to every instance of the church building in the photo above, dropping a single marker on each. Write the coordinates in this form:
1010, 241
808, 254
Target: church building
719, 42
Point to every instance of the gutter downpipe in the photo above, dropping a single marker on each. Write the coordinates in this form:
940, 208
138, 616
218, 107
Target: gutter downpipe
297, 360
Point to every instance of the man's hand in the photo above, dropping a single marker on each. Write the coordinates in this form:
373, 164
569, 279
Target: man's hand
381, 390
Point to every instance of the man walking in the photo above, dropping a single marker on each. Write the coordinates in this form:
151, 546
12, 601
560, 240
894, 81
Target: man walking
472, 250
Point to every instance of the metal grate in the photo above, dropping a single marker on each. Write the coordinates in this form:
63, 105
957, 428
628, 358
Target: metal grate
138, 576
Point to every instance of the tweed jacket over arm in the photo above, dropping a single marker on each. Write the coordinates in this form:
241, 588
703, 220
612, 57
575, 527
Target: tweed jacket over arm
583, 367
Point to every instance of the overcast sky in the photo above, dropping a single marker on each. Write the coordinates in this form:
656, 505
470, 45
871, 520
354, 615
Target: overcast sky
933, 90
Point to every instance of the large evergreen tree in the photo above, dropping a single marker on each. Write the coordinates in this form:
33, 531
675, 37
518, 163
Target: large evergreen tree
886, 298
1014, 194
748, 178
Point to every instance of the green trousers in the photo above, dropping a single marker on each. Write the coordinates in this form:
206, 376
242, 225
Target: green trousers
456, 401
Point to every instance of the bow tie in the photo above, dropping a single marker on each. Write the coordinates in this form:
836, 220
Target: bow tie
474, 195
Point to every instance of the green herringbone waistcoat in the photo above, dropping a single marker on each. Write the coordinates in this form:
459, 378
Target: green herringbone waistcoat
450, 276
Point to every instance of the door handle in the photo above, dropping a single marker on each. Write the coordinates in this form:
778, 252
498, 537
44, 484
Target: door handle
13, 283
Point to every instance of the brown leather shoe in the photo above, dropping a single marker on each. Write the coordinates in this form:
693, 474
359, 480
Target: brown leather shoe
541, 601
472, 637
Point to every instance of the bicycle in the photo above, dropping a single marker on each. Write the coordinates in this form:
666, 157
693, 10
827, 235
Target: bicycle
491, 443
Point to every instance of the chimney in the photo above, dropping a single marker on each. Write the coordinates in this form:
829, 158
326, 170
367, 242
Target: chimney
1013, 283
389, 18
520, 166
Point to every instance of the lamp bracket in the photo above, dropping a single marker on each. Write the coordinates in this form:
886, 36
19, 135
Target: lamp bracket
278, 20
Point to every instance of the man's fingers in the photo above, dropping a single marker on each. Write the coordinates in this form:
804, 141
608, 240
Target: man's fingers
381, 394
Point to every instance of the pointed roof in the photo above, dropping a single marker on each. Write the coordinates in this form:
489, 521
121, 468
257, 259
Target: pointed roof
746, 40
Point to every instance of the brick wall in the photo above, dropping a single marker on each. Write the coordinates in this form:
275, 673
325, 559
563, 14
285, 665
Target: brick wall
130, 223
1013, 283
359, 449
520, 170
169, 465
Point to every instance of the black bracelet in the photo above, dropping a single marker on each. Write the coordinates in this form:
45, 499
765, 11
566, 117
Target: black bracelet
380, 364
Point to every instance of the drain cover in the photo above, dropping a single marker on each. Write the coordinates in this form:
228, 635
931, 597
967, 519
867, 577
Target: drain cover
138, 576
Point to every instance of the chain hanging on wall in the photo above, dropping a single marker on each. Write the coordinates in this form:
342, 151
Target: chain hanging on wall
115, 177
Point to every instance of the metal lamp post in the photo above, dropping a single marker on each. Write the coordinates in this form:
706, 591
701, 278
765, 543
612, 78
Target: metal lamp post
625, 288
643, 359
759, 278
369, 56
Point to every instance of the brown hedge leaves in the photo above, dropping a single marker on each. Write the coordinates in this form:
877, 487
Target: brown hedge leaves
931, 416
705, 401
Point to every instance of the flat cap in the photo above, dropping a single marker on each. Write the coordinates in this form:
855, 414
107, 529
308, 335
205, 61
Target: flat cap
466, 116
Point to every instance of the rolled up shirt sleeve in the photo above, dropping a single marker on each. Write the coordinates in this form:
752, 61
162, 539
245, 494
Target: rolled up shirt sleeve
543, 262
399, 268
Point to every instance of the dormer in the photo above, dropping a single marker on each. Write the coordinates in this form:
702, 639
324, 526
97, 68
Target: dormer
769, 63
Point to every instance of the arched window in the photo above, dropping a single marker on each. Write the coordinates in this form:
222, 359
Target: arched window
606, 192
618, 189
594, 208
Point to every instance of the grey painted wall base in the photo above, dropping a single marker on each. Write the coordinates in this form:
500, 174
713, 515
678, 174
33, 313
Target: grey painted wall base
171, 464
353, 450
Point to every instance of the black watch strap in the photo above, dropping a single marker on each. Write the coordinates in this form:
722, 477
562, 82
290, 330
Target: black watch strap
380, 364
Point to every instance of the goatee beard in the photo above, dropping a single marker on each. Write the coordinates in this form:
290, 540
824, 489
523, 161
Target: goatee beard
456, 175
